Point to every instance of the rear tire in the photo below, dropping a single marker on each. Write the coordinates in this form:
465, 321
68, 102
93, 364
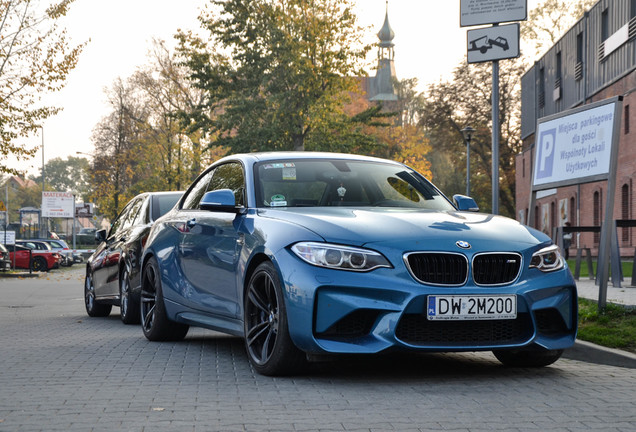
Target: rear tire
93, 307
528, 357
154, 320
267, 341
38, 264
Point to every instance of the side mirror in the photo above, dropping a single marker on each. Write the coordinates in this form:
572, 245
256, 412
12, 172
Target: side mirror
221, 200
100, 235
464, 203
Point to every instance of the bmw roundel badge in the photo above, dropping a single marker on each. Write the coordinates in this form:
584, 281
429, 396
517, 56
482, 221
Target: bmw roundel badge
463, 244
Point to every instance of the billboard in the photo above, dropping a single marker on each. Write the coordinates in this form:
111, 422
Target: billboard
575, 146
58, 204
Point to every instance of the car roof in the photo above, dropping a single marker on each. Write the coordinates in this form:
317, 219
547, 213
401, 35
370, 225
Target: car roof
270, 156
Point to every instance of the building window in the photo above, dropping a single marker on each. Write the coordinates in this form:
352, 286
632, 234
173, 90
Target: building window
553, 215
578, 68
632, 8
625, 211
536, 217
626, 119
604, 25
597, 214
572, 217
523, 168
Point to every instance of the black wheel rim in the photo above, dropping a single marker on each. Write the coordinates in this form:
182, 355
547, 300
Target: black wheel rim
37, 264
89, 293
124, 294
261, 318
148, 298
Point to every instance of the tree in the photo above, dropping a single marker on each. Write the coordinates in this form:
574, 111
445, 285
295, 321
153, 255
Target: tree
67, 175
288, 70
115, 174
35, 58
467, 100
549, 21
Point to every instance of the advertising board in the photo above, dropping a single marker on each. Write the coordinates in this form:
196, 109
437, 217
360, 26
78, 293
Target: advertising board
58, 204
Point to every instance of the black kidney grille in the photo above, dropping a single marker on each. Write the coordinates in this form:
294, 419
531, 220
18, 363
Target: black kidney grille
416, 329
438, 268
496, 268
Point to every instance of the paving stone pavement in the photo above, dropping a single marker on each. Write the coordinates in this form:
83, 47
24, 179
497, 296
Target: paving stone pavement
61, 370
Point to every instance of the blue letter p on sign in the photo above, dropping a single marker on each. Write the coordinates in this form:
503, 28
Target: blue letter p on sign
545, 157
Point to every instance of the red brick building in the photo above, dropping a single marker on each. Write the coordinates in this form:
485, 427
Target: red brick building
593, 61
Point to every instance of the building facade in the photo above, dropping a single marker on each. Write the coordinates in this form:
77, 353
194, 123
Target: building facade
593, 61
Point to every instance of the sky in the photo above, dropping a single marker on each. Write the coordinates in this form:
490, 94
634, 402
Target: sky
429, 44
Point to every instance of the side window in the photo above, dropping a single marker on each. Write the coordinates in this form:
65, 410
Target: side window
230, 176
195, 194
133, 216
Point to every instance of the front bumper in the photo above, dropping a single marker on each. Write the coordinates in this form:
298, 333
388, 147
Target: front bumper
332, 311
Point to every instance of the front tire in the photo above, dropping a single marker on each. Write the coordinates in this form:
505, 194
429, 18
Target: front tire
128, 306
267, 341
528, 357
154, 320
93, 307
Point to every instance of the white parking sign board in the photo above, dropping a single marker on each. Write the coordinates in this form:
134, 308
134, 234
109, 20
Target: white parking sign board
574, 148
478, 12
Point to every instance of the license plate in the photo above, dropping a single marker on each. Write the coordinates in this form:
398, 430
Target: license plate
474, 307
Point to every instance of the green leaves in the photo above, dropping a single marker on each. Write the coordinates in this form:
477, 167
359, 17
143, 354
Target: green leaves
285, 73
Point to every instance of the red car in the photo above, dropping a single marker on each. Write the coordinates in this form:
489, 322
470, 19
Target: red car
23, 257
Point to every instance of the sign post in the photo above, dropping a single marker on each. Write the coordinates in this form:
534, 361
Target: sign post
493, 44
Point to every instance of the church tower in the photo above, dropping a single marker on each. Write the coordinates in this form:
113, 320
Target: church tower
382, 85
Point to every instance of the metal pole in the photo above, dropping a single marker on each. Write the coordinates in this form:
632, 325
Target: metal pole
44, 230
495, 137
468, 166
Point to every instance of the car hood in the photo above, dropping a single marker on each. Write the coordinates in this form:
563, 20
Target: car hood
426, 229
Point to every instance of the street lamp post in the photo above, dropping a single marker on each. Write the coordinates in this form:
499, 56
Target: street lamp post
467, 132
44, 233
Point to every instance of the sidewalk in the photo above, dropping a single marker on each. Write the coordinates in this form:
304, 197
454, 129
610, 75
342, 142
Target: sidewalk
625, 295
592, 353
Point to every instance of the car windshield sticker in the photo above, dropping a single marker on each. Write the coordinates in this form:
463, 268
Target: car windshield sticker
279, 165
278, 201
289, 173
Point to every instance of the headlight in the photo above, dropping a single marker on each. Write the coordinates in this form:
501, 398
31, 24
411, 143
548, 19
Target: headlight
547, 259
339, 257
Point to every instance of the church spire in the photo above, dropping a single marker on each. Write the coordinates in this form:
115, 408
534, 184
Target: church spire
385, 71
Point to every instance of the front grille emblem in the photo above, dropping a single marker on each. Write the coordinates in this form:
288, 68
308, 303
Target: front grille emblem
463, 244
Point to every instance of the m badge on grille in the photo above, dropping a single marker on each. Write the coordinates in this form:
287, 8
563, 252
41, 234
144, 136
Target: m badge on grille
463, 244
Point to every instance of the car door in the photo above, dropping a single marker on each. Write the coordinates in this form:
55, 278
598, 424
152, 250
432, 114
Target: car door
210, 246
106, 273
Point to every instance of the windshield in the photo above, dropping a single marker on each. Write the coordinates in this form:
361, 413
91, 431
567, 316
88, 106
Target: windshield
333, 182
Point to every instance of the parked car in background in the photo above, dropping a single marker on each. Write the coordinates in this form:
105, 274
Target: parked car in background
61, 247
42, 247
86, 236
316, 254
113, 270
5, 260
26, 258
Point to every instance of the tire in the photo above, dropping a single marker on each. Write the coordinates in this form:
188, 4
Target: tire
128, 305
528, 357
154, 320
269, 347
93, 307
38, 264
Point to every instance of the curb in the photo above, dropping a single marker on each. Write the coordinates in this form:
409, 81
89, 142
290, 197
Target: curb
20, 275
592, 353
